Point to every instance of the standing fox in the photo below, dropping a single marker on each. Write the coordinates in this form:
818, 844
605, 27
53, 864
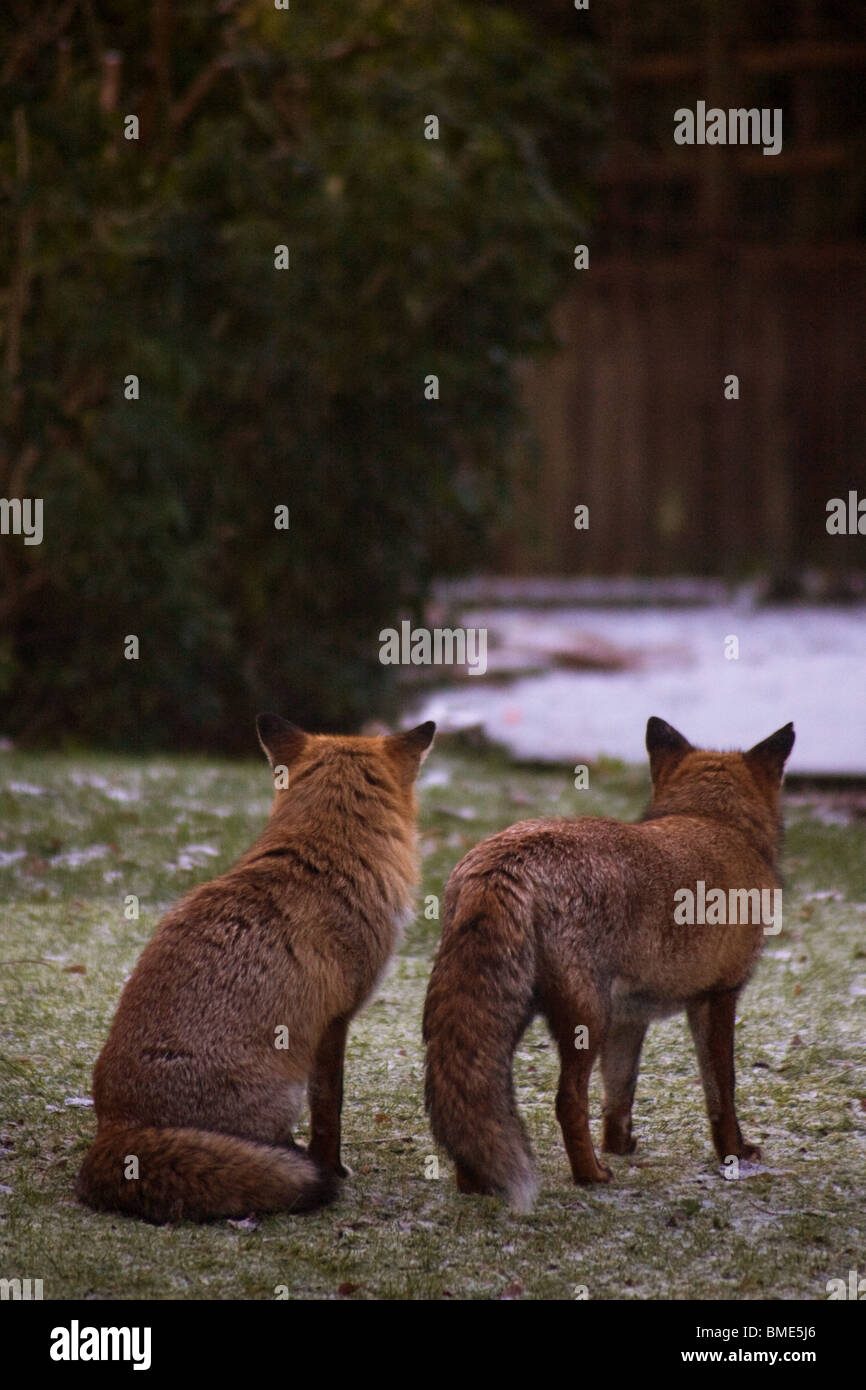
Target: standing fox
579, 921
246, 992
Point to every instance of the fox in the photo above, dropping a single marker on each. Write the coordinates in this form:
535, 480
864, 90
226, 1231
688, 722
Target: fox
240, 1004
577, 921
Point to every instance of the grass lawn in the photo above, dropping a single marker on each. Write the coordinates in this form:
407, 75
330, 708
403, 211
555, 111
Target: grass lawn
78, 834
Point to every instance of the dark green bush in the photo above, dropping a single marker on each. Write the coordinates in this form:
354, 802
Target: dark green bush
261, 387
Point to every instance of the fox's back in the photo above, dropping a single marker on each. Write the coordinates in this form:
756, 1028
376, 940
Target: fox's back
602, 892
300, 929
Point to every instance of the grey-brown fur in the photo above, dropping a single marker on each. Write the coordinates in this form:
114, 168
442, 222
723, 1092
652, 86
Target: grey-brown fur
575, 920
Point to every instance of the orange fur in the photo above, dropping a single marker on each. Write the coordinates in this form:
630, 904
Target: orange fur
285, 946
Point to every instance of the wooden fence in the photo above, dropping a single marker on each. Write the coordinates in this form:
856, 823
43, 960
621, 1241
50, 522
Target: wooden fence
706, 262
632, 419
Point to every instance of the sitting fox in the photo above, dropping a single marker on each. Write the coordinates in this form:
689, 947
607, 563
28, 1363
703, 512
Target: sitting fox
582, 922
245, 994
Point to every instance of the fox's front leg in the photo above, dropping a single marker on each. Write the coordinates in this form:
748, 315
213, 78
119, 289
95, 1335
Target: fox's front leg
326, 1098
711, 1020
620, 1058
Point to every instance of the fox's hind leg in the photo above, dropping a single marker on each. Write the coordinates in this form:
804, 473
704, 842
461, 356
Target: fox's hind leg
572, 1097
620, 1058
711, 1020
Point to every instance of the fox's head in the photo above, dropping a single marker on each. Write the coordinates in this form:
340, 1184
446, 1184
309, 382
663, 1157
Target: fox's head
326, 771
742, 788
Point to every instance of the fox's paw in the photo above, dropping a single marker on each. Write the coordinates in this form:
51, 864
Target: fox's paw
324, 1159
600, 1173
750, 1152
619, 1146
618, 1141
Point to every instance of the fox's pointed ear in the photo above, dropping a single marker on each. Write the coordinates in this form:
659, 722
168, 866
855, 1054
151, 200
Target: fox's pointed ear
409, 749
772, 753
282, 742
663, 743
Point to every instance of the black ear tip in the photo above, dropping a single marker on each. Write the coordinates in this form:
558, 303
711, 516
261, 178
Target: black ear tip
662, 736
273, 727
414, 742
660, 731
778, 746
420, 738
785, 735
654, 727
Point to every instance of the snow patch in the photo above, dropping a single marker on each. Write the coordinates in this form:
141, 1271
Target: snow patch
75, 858
795, 662
436, 777
192, 857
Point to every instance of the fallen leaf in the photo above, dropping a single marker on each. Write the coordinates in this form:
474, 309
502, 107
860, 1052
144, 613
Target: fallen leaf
249, 1223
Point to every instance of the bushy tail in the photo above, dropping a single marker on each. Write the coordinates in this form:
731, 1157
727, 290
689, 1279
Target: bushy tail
479, 1001
196, 1175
